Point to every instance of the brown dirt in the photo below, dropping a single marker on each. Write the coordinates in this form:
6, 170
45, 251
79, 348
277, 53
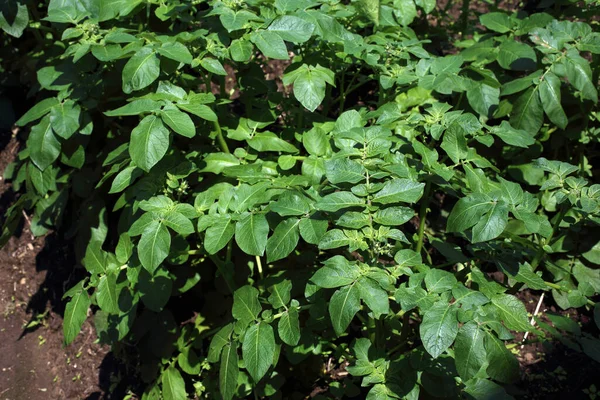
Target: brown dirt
33, 362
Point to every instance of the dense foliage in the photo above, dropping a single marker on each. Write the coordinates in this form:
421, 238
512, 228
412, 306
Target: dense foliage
374, 208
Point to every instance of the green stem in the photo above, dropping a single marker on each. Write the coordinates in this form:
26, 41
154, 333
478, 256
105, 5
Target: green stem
259, 267
558, 287
423, 217
221, 138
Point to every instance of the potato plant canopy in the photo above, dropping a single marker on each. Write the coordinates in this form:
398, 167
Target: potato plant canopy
262, 190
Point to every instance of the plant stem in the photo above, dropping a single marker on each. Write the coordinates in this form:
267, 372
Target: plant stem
423, 216
259, 267
220, 138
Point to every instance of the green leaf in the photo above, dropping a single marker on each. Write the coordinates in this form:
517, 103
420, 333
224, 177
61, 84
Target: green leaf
228, 372
333, 239
550, 97
374, 296
179, 223
173, 385
106, 293
439, 328
516, 56
19, 21
312, 230
512, 312
124, 179
454, 143
258, 350
218, 235
178, 121
270, 44
288, 327
292, 29
280, 294
175, 51
438, 280
200, 110
469, 350
468, 212
512, 136
528, 113
343, 170
124, 248
75, 314
496, 21
43, 146
370, 8
246, 306
268, 141
64, 118
492, 224
483, 98
154, 246
309, 84
290, 204
338, 200
135, 107
393, 216
405, 11
218, 341
213, 65
141, 70
149, 142
240, 50
251, 234
579, 75
399, 190
284, 240
344, 304
502, 365
38, 111
336, 272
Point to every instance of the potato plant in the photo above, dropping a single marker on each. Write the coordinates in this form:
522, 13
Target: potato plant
263, 191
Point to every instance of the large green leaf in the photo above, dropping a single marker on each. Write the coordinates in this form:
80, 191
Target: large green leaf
399, 190
292, 29
270, 44
43, 146
251, 234
141, 70
439, 328
149, 142
343, 306
246, 306
469, 350
284, 239
338, 200
550, 97
527, 111
218, 341
107, 295
516, 56
173, 385
343, 170
502, 364
288, 327
75, 314
154, 245
64, 118
468, 212
258, 350
492, 224
179, 121
228, 372
38, 111
512, 312
219, 234
579, 75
